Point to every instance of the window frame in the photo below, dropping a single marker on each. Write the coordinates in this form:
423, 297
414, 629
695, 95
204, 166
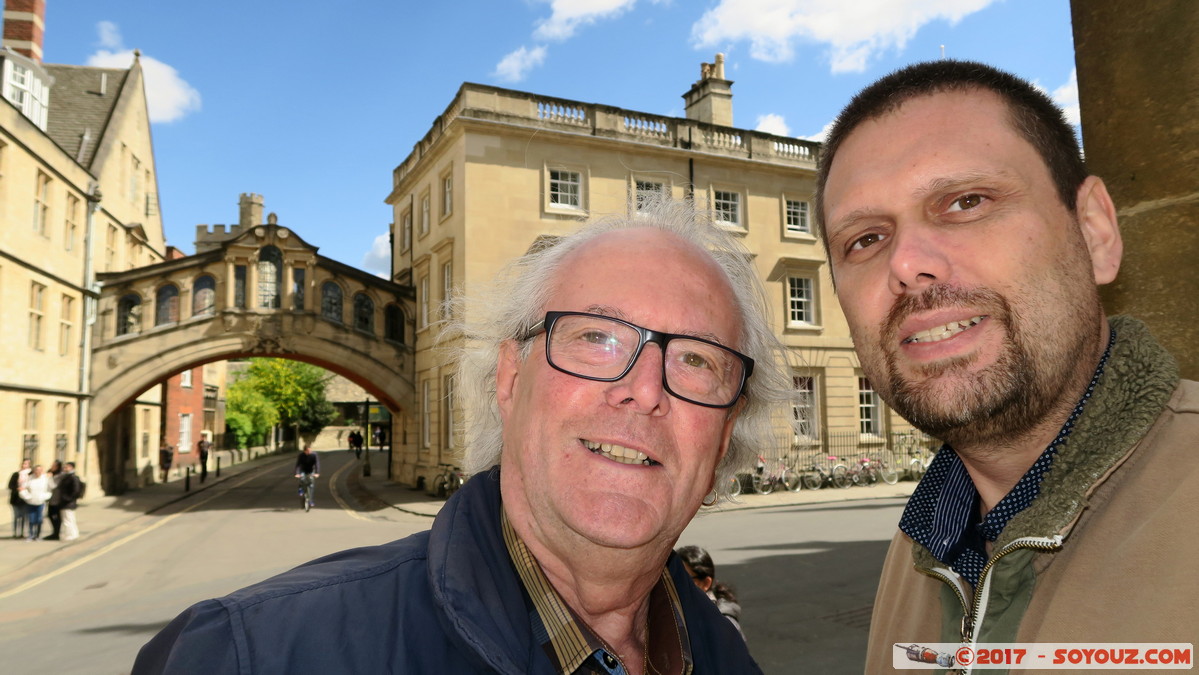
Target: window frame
425, 216
37, 315
66, 324
405, 230
553, 175
870, 410
638, 200
719, 194
809, 302
807, 402
41, 203
804, 229
447, 193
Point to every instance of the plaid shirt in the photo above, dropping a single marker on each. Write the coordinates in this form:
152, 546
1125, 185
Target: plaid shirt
570, 644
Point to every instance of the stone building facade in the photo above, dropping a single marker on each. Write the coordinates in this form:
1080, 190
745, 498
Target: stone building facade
78, 196
500, 170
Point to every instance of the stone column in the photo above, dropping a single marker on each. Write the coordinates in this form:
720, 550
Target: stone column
230, 284
1138, 89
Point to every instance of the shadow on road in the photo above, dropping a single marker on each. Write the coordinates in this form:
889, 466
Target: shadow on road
807, 608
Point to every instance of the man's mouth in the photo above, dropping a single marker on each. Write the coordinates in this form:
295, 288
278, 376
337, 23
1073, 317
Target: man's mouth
618, 453
944, 332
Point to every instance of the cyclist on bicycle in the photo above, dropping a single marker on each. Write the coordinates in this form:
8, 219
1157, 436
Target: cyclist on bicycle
308, 469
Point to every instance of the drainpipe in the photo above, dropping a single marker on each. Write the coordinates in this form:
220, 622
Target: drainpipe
89, 318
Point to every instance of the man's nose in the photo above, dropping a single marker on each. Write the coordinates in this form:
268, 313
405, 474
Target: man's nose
642, 388
918, 259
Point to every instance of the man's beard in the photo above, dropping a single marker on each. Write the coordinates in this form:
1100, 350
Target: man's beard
1002, 401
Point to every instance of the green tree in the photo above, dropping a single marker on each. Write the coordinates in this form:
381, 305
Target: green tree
297, 391
249, 414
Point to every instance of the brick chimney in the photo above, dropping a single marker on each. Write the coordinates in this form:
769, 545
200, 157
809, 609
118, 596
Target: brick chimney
711, 98
25, 27
250, 210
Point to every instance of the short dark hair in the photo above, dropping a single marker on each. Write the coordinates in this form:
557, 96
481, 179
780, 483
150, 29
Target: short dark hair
1033, 115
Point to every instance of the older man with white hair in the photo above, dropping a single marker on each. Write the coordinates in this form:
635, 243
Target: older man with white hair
614, 378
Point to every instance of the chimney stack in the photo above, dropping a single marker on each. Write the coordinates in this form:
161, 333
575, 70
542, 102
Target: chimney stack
25, 27
711, 98
250, 210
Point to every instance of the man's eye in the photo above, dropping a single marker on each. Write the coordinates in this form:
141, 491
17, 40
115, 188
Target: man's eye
866, 241
965, 202
596, 337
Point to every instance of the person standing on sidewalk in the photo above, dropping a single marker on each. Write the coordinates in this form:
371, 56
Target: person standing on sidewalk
620, 377
70, 490
166, 457
967, 243
36, 493
20, 510
54, 505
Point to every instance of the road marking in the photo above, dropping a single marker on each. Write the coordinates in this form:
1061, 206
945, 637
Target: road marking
337, 495
124, 540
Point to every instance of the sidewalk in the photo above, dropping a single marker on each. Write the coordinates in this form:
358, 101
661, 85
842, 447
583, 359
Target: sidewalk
418, 503
101, 517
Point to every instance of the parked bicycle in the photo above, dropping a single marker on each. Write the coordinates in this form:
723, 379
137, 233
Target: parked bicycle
829, 472
448, 481
769, 474
870, 471
913, 452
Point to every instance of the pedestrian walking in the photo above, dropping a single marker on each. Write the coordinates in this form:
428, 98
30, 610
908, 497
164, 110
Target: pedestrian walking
19, 508
166, 456
70, 490
36, 493
203, 447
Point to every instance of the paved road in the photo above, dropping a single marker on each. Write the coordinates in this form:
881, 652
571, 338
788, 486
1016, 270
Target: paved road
94, 617
805, 570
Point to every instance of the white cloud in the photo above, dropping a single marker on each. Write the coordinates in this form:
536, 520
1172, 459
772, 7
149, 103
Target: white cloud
514, 66
1066, 96
819, 136
168, 96
378, 259
110, 35
568, 15
773, 124
855, 32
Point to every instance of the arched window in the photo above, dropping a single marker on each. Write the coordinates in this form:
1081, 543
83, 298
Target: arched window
129, 314
364, 313
204, 296
270, 277
393, 323
331, 301
166, 305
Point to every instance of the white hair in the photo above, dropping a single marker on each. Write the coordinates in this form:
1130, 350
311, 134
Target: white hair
517, 300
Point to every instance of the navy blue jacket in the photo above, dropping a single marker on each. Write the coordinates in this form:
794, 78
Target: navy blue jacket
443, 601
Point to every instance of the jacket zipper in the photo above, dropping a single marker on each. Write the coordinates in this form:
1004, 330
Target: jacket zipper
972, 613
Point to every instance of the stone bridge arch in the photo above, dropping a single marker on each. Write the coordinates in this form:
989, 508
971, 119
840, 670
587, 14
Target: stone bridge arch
254, 291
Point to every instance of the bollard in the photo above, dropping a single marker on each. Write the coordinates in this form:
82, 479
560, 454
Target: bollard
187, 480
218, 467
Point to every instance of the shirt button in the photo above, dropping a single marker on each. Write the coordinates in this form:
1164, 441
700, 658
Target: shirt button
609, 660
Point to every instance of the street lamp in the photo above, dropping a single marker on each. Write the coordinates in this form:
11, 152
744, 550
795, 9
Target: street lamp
366, 439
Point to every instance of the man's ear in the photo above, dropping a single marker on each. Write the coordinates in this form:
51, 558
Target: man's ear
506, 374
1097, 219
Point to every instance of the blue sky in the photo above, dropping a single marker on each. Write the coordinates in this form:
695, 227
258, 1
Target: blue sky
312, 104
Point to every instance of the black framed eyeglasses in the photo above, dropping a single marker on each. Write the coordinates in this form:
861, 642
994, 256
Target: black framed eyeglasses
604, 349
